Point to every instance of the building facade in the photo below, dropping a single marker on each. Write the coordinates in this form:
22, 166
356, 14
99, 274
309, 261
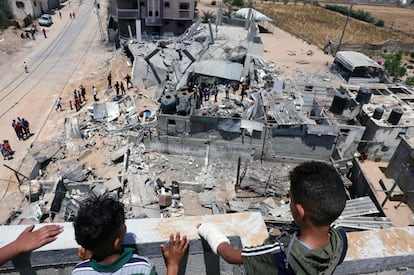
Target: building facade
153, 17
23, 9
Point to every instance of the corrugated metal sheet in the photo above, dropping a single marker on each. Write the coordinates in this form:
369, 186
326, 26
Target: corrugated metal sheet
351, 60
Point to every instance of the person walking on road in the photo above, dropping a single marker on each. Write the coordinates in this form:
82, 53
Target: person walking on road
128, 81
25, 67
83, 92
109, 80
122, 88
44, 32
58, 103
14, 125
25, 125
116, 85
95, 93
60, 15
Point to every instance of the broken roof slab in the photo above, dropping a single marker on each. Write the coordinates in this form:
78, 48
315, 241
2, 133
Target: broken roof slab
351, 60
107, 111
218, 68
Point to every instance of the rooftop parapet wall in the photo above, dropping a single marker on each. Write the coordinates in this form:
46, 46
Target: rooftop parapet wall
369, 251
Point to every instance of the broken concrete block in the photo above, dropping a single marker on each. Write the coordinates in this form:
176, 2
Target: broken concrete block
164, 200
99, 189
112, 184
117, 155
85, 154
193, 186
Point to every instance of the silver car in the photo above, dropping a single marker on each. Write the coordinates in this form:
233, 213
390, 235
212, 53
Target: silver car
45, 20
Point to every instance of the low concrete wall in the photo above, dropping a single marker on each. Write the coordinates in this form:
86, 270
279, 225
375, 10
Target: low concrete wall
368, 252
146, 235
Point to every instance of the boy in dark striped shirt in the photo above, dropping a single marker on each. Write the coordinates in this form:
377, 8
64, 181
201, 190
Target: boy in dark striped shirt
317, 199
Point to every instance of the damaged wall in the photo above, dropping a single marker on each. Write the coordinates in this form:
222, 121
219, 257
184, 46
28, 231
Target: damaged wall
401, 169
382, 141
361, 186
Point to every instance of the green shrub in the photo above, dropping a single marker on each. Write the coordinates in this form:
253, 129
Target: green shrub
393, 65
357, 14
213, 3
410, 81
285, 2
316, 3
412, 54
237, 3
380, 23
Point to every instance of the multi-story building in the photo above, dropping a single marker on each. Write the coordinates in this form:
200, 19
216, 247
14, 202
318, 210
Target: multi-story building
23, 9
154, 17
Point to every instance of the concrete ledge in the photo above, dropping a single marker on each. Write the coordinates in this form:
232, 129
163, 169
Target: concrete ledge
378, 250
146, 235
369, 251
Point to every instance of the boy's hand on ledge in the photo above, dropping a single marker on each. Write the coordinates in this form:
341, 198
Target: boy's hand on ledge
173, 255
30, 240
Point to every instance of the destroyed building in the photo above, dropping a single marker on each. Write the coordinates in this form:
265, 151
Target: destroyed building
268, 123
387, 116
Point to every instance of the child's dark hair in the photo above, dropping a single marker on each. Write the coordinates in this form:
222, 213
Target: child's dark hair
98, 223
320, 190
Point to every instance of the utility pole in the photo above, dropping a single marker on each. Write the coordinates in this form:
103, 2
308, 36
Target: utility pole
343, 31
97, 7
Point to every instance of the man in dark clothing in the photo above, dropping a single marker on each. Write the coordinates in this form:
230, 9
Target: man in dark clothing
83, 92
128, 80
116, 85
19, 130
109, 80
25, 125
122, 88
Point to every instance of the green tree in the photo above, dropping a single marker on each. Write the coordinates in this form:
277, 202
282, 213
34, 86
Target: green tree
410, 81
237, 3
393, 65
206, 15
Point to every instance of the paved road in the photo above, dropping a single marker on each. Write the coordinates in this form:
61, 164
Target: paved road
54, 65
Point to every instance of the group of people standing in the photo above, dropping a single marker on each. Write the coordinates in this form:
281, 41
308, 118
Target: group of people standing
119, 85
79, 96
21, 127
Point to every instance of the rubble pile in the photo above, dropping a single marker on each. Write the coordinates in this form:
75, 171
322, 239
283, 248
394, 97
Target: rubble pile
150, 184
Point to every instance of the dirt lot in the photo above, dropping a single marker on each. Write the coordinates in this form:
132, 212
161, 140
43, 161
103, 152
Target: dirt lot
317, 25
396, 18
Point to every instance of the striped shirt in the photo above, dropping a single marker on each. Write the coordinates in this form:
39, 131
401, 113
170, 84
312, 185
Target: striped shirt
128, 263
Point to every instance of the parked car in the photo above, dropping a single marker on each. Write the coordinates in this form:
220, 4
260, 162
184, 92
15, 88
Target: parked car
45, 20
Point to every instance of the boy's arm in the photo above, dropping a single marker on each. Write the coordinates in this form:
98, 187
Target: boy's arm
29, 240
219, 243
230, 254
